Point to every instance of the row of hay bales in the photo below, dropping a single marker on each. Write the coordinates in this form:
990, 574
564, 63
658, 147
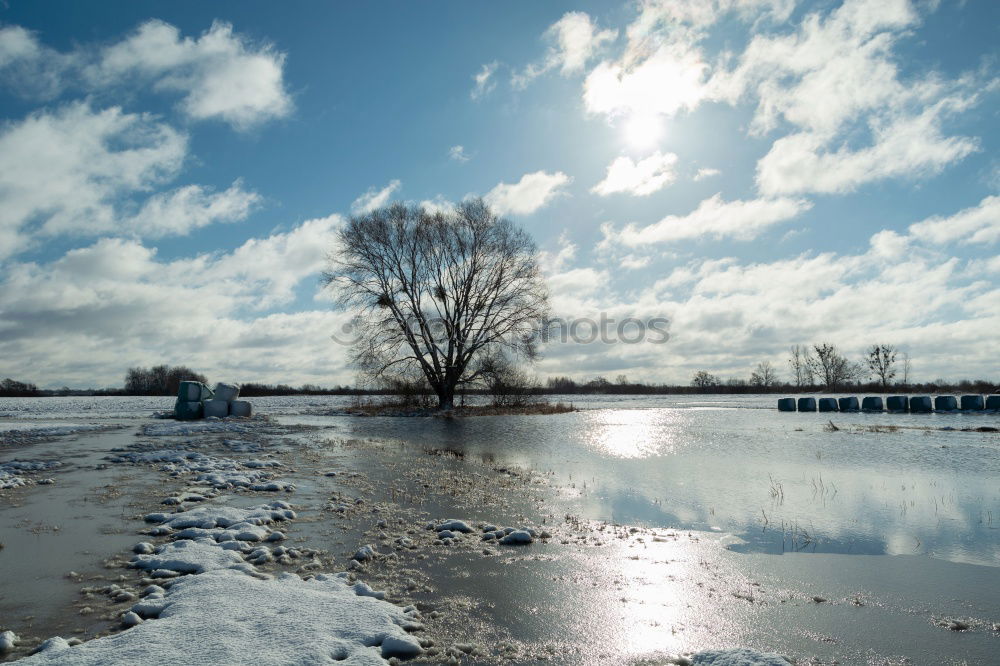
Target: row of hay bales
897, 404
196, 401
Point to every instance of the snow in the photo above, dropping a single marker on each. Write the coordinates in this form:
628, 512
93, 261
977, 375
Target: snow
12, 473
734, 657
8, 639
184, 428
454, 525
211, 471
191, 557
225, 617
517, 537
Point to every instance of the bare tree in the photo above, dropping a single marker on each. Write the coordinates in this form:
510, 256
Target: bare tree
801, 367
906, 368
704, 380
832, 368
880, 361
438, 292
763, 375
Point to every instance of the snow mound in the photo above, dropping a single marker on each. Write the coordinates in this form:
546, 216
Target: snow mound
182, 428
191, 557
226, 522
225, 617
211, 471
732, 657
12, 473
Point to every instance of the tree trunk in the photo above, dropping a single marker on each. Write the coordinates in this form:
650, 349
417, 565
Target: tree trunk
446, 396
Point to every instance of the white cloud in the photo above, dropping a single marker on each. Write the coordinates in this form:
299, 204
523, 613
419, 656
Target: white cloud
64, 171
639, 178
978, 224
484, 81
438, 204
179, 211
87, 316
220, 74
706, 172
532, 192
855, 119
909, 146
741, 220
374, 198
669, 80
575, 39
458, 154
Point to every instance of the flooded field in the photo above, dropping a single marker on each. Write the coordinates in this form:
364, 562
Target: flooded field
673, 524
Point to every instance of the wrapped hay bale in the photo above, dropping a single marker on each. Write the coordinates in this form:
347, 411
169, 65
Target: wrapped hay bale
786, 404
807, 404
848, 404
920, 404
188, 410
239, 408
871, 404
192, 391
945, 403
897, 403
827, 404
972, 403
227, 392
993, 403
219, 408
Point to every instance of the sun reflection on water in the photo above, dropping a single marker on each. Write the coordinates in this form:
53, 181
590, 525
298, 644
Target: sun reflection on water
634, 433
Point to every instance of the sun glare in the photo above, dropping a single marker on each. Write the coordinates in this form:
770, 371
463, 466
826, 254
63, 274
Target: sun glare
643, 130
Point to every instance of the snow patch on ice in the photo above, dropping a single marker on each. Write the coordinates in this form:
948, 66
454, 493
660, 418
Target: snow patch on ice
12, 474
216, 472
277, 621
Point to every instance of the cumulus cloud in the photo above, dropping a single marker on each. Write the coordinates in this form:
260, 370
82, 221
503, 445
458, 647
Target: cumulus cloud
640, 178
977, 224
439, 204
706, 172
741, 220
64, 171
837, 75
526, 196
374, 198
220, 75
179, 211
86, 316
575, 39
484, 81
458, 154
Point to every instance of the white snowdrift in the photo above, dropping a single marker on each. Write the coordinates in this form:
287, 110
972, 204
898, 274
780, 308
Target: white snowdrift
226, 617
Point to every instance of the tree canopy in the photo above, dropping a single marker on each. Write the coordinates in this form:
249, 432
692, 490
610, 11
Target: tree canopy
443, 293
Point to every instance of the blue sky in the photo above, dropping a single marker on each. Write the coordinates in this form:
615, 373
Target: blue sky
761, 172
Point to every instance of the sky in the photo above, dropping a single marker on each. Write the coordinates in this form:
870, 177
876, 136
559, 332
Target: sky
760, 173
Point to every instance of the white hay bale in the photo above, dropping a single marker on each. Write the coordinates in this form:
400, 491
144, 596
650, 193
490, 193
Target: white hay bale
239, 408
227, 392
219, 408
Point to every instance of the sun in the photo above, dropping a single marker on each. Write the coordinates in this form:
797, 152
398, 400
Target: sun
643, 130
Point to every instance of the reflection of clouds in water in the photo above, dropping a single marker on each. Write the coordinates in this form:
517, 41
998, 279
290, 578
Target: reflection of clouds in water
851, 491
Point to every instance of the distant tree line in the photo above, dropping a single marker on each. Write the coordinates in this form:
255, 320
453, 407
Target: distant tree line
159, 380
10, 388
